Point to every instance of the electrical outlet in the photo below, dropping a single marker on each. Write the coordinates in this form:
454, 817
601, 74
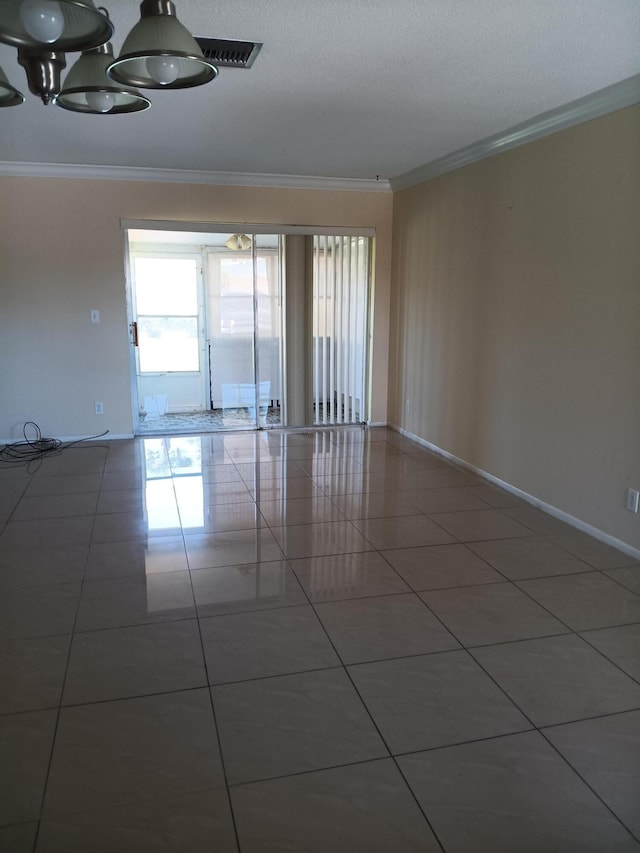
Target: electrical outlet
633, 500
407, 406
99, 407
95, 315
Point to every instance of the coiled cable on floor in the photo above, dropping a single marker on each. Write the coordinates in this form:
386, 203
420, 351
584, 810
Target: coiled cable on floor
35, 447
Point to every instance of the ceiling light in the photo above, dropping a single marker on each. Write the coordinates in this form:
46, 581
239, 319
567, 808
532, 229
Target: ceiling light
87, 89
62, 25
43, 30
9, 96
239, 242
160, 53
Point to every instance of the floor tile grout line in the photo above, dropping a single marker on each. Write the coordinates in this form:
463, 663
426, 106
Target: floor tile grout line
587, 571
514, 641
534, 725
131, 576
589, 786
215, 722
380, 735
635, 678
604, 716
515, 583
619, 583
608, 627
410, 588
441, 621
463, 743
544, 535
271, 676
553, 537
144, 800
8, 639
81, 632
501, 688
578, 633
401, 754
569, 575
470, 649
155, 693
341, 664
546, 609
166, 441
530, 729
540, 731
64, 678
383, 551
244, 610
419, 805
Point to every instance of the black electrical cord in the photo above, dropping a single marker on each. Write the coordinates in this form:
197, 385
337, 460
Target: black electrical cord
35, 448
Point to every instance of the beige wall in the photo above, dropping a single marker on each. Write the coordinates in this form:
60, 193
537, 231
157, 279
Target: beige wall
62, 254
516, 318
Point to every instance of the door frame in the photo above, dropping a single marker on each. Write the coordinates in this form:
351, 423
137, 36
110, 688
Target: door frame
198, 227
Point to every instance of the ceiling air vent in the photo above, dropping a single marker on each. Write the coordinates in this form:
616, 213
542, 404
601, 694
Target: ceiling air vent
226, 53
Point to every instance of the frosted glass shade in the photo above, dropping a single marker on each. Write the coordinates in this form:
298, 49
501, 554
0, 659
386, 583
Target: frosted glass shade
9, 95
160, 34
239, 242
84, 27
87, 89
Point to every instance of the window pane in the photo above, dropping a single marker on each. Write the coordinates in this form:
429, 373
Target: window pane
166, 286
236, 276
168, 344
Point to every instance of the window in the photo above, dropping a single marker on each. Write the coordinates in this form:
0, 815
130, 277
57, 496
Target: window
166, 294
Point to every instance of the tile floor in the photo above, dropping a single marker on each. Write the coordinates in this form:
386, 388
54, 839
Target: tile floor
331, 642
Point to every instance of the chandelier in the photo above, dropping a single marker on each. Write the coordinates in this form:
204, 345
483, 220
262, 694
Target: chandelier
158, 53
239, 242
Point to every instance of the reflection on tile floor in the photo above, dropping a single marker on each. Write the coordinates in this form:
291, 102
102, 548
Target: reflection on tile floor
330, 641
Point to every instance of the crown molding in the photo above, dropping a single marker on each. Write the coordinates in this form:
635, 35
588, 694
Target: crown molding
187, 176
626, 93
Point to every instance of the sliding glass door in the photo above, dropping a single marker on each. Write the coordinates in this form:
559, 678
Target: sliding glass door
244, 333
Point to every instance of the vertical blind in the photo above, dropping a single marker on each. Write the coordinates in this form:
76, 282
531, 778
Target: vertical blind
340, 300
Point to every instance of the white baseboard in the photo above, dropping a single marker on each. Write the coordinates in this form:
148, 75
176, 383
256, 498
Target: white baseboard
598, 534
377, 424
108, 437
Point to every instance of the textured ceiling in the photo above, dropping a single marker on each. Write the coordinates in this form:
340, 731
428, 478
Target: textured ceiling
344, 88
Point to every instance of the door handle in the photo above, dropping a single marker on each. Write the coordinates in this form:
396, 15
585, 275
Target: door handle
134, 333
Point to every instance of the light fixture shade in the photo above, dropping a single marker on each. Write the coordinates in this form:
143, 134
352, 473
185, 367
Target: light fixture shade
9, 95
87, 89
239, 242
83, 26
159, 34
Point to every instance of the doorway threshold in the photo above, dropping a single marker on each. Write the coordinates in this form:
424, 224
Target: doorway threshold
215, 420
